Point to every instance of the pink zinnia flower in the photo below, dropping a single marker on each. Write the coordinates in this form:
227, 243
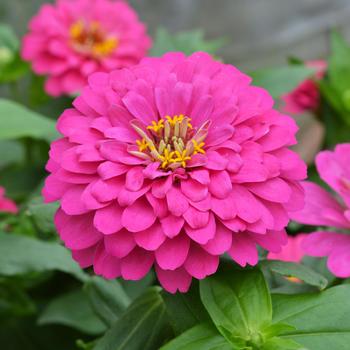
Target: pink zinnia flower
74, 38
306, 96
292, 251
172, 163
322, 209
7, 205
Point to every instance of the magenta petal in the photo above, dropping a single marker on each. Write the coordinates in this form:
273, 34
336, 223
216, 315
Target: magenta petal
202, 176
204, 234
173, 281
274, 190
243, 250
84, 257
134, 179
71, 201
195, 218
105, 264
220, 184
139, 107
200, 263
339, 262
136, 264
126, 197
109, 169
173, 252
177, 202
222, 241
161, 187
108, 220
194, 190
151, 238
172, 225
139, 216
119, 244
225, 209
271, 240
77, 232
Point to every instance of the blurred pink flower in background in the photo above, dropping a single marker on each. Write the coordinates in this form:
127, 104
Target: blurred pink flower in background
323, 209
172, 163
292, 251
74, 38
7, 205
306, 96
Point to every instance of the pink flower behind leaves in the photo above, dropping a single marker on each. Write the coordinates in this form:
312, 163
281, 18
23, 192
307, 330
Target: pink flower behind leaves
323, 209
292, 251
306, 96
172, 163
7, 205
72, 39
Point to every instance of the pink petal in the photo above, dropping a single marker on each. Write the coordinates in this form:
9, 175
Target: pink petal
202, 176
225, 209
173, 252
136, 264
199, 263
119, 244
177, 202
106, 265
84, 257
220, 184
204, 234
134, 179
222, 241
243, 250
172, 225
139, 107
339, 262
194, 190
108, 169
195, 218
138, 216
176, 280
108, 220
151, 238
72, 203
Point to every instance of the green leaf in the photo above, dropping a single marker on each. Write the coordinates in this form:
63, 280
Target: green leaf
300, 271
200, 337
107, 298
185, 310
280, 80
186, 42
321, 320
239, 304
42, 214
20, 255
11, 152
142, 326
73, 310
17, 121
8, 38
282, 344
13, 69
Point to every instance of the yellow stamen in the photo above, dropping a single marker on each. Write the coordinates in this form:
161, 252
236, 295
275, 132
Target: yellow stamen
143, 145
181, 158
105, 47
156, 126
198, 147
76, 29
167, 158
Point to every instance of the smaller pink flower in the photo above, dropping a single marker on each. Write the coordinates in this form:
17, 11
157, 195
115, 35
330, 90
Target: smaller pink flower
7, 205
71, 39
323, 209
292, 251
306, 96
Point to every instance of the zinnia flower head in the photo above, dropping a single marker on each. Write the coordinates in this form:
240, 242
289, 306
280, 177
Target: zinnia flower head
292, 251
306, 96
323, 209
71, 39
172, 163
7, 205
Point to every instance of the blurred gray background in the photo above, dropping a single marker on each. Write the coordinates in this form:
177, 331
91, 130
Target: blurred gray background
260, 32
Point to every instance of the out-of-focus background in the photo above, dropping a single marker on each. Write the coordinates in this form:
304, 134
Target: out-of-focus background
259, 32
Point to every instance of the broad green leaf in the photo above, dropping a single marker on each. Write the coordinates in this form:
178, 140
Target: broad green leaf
300, 271
280, 80
42, 214
282, 344
200, 337
186, 42
135, 288
17, 121
73, 310
10, 152
185, 310
142, 326
239, 304
8, 38
20, 255
107, 298
321, 319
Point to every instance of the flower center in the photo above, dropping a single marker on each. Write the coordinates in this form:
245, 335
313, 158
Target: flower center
171, 141
90, 38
